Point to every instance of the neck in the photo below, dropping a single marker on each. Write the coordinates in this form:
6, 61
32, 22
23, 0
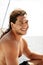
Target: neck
14, 35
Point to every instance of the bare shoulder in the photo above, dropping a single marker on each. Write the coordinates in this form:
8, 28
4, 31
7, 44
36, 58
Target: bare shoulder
1, 49
0, 46
3, 42
5, 39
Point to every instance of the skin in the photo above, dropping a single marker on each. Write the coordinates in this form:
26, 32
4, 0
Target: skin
12, 45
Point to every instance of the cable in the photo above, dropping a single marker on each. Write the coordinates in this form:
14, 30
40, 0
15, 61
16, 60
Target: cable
4, 18
5, 14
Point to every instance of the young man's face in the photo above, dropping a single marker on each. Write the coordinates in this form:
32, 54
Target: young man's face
21, 25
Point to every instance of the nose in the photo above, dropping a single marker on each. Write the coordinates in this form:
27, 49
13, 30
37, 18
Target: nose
25, 25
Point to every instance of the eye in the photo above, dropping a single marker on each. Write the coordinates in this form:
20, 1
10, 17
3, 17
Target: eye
21, 22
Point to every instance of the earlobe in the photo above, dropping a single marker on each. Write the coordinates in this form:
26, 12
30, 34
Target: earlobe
11, 24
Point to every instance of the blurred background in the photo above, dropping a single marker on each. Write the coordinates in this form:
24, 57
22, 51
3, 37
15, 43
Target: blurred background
34, 9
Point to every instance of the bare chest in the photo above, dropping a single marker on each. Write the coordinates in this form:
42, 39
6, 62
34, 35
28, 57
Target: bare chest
14, 48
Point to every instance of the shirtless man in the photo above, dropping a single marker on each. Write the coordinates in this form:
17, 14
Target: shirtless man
12, 45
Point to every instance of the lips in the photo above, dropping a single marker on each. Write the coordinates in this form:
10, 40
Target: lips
24, 29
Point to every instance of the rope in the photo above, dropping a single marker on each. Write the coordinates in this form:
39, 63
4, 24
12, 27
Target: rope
5, 15
1, 30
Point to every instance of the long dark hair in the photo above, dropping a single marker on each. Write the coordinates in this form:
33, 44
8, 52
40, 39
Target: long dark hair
13, 18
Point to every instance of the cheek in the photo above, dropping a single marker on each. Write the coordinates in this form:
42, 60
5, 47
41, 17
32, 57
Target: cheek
17, 27
25, 25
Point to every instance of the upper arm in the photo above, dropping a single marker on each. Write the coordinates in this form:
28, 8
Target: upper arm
26, 51
11, 57
1, 55
30, 54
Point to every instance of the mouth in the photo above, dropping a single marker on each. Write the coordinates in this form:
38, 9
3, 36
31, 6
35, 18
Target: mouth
24, 29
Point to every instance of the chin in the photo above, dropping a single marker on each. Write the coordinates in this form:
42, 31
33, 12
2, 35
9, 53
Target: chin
23, 33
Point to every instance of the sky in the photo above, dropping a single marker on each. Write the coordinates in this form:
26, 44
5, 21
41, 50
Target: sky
34, 9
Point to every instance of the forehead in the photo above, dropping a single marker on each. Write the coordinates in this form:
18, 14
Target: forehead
22, 17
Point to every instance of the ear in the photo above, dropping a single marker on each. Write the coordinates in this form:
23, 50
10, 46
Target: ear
11, 24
